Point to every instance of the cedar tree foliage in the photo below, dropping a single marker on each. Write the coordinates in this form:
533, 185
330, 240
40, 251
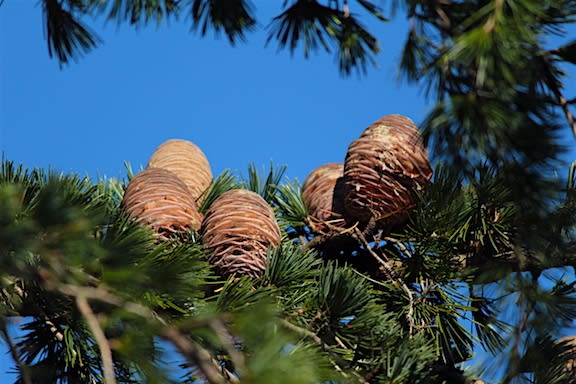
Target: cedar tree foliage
482, 259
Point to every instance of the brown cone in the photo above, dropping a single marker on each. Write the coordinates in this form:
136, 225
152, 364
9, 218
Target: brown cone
187, 161
158, 198
323, 195
238, 229
382, 170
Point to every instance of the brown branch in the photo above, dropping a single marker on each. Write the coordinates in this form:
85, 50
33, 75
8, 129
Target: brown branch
334, 233
487, 267
107, 297
566, 109
100, 337
302, 331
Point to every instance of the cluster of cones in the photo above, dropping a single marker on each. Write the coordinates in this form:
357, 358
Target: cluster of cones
382, 169
238, 228
376, 183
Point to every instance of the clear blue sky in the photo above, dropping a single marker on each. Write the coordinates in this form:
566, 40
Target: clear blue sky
241, 105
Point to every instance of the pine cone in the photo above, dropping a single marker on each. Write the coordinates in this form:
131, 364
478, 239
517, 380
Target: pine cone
187, 161
323, 195
238, 229
382, 170
158, 198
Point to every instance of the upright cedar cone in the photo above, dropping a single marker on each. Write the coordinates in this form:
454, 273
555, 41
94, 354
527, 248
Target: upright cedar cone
238, 229
382, 170
158, 198
323, 195
187, 161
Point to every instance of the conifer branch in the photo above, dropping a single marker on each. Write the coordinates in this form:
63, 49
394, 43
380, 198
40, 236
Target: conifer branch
194, 353
518, 263
389, 272
314, 337
33, 309
100, 337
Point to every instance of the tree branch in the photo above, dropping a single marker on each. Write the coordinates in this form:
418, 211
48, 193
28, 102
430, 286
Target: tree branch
100, 337
566, 109
513, 261
302, 331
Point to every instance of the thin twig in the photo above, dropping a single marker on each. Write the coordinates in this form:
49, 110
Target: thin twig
37, 311
107, 297
16, 356
225, 337
309, 334
368, 278
340, 342
388, 271
390, 275
302, 331
333, 231
100, 337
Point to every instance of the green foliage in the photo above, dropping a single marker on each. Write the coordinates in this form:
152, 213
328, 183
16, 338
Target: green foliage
291, 210
331, 314
291, 267
475, 267
265, 187
224, 182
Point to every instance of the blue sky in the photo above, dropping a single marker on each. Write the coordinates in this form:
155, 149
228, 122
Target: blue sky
241, 105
